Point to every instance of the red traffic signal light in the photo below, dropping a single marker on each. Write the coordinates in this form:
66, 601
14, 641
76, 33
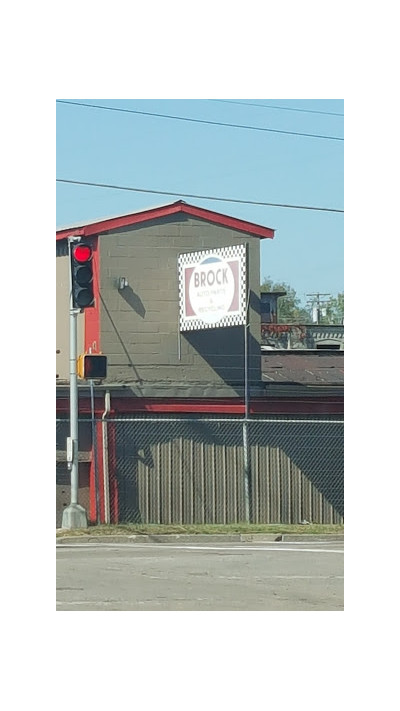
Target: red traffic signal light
92, 366
82, 276
82, 253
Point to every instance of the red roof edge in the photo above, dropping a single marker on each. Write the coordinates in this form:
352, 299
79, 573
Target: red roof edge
265, 406
113, 223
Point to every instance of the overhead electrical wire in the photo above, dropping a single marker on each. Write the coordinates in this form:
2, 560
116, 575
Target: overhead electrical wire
193, 120
278, 108
198, 197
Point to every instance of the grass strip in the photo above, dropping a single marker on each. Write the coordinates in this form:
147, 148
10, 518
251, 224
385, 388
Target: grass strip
158, 529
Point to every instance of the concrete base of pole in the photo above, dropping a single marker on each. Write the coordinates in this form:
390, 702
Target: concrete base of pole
74, 516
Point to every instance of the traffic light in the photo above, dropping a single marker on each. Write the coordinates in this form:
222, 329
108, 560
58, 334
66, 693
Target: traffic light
82, 276
92, 366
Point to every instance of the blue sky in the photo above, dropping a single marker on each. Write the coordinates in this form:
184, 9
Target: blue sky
153, 153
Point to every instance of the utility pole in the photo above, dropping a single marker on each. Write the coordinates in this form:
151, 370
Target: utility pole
74, 516
316, 304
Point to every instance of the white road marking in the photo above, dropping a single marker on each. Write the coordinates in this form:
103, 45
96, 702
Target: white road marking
251, 548
283, 577
162, 546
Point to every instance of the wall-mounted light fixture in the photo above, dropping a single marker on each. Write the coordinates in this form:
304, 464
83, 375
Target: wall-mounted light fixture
122, 283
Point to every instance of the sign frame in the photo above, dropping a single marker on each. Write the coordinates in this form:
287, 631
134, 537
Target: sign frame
212, 288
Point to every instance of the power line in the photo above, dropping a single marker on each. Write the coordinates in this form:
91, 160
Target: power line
278, 108
203, 121
198, 197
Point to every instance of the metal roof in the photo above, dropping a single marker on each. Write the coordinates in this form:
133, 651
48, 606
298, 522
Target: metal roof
78, 225
98, 226
303, 367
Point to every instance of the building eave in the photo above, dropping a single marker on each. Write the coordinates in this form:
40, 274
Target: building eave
114, 223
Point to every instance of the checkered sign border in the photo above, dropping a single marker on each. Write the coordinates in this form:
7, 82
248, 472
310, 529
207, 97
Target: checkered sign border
237, 251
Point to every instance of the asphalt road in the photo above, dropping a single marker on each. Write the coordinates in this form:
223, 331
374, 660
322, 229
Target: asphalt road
206, 577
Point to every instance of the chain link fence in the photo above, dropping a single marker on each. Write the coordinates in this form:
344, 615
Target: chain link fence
204, 469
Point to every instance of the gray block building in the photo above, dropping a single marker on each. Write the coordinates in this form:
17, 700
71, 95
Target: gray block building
189, 379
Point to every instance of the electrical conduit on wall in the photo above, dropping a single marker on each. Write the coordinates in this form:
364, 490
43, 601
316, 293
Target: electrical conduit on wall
107, 405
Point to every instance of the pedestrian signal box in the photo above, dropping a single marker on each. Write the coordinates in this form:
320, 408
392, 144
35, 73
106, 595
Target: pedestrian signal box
92, 366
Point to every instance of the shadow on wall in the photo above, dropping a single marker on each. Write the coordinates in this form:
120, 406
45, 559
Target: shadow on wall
223, 350
129, 363
315, 448
133, 300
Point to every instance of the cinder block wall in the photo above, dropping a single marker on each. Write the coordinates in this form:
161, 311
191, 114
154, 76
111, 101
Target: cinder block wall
139, 326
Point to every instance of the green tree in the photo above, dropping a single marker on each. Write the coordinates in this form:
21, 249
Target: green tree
290, 309
334, 310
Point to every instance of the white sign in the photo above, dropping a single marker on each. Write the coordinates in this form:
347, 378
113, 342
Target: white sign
212, 288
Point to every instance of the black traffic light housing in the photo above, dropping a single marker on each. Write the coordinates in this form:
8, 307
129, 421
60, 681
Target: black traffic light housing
82, 275
92, 366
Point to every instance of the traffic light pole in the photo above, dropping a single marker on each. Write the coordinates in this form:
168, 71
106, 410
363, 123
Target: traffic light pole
74, 516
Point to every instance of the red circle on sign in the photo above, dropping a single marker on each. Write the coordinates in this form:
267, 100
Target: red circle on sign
82, 253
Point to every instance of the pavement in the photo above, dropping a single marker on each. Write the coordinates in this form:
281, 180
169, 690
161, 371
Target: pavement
168, 572
200, 538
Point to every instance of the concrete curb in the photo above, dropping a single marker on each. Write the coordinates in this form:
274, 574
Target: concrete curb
201, 538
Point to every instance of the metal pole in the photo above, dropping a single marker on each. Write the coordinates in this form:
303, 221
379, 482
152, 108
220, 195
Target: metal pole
246, 453
106, 474
95, 460
73, 400
74, 516
246, 450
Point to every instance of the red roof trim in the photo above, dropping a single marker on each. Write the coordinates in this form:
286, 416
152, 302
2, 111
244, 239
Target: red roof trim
159, 212
276, 406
